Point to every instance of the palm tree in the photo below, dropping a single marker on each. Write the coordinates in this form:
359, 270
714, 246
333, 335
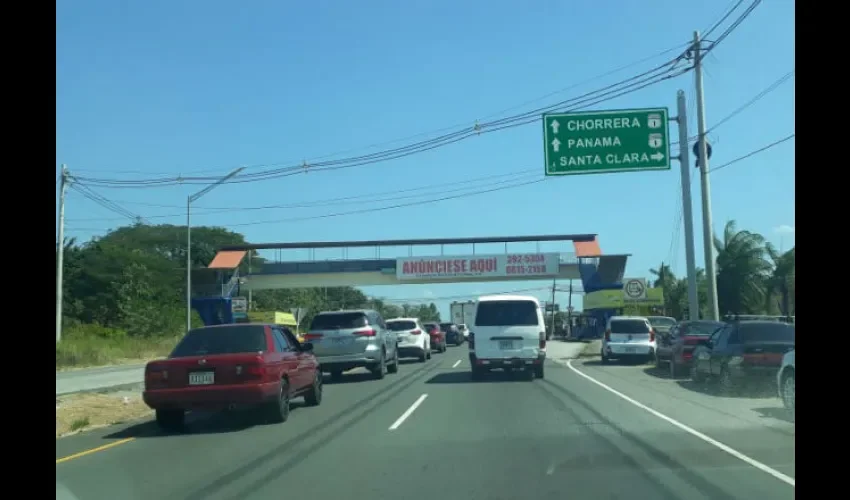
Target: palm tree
742, 270
782, 279
666, 280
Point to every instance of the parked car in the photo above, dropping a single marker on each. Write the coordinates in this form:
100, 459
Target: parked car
438, 336
661, 324
229, 366
786, 381
628, 337
676, 347
344, 340
413, 341
509, 333
464, 330
743, 352
453, 335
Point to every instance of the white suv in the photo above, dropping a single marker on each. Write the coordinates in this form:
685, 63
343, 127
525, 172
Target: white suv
628, 337
413, 340
509, 333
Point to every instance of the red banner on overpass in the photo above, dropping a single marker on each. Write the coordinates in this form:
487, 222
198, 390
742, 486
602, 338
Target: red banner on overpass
533, 265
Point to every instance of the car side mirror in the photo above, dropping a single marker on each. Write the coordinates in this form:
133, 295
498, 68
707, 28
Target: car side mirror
307, 347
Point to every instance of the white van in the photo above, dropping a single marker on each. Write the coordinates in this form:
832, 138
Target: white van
628, 337
509, 333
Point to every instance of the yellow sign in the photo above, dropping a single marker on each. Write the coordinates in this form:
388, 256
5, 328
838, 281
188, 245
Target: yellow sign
613, 299
276, 317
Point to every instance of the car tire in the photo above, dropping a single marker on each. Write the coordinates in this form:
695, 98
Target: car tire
393, 368
658, 361
539, 371
380, 371
314, 395
444, 348
605, 359
170, 420
673, 369
278, 410
336, 375
696, 375
423, 357
727, 383
789, 391
476, 373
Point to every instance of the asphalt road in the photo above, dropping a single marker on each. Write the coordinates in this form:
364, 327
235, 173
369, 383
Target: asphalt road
92, 379
502, 438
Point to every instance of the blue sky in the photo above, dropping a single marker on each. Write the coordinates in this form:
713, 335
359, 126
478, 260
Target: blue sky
157, 89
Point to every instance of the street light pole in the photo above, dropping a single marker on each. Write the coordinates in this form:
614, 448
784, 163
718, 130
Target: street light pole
189, 202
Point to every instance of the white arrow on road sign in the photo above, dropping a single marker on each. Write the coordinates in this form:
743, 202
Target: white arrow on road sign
555, 126
657, 156
556, 144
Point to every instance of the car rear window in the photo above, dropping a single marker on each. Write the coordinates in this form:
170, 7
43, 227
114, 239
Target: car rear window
662, 321
701, 329
401, 325
446, 326
506, 313
629, 326
233, 339
338, 321
767, 332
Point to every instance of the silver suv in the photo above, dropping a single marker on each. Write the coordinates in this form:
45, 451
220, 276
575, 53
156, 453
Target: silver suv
343, 340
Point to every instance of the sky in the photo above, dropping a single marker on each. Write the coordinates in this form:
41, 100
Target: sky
197, 88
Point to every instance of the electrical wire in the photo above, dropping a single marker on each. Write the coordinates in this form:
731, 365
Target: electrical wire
753, 153
732, 27
105, 202
660, 73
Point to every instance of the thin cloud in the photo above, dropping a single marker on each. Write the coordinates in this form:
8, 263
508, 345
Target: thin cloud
784, 229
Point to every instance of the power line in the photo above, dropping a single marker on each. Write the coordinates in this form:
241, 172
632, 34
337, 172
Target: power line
661, 73
753, 153
105, 202
732, 27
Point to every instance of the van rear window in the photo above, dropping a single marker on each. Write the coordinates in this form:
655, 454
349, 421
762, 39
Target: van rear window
629, 326
401, 325
232, 339
506, 313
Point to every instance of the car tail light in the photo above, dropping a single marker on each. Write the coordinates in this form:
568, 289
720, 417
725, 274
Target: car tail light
312, 336
251, 371
543, 340
652, 334
608, 335
415, 332
366, 333
156, 374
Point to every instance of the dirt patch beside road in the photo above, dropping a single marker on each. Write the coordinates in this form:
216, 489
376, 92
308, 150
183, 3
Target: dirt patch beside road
592, 349
82, 412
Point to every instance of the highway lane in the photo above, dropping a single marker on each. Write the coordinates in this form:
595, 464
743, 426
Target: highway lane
753, 421
503, 438
92, 379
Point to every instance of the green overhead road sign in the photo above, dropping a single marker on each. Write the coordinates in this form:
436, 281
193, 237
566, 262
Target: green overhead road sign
600, 142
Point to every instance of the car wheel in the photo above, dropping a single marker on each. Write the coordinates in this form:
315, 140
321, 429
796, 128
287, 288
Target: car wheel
673, 372
539, 372
278, 410
605, 359
170, 420
380, 371
476, 373
657, 361
696, 375
727, 383
336, 375
789, 391
424, 356
393, 368
314, 395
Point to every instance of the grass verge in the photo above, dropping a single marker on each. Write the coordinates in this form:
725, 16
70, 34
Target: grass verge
86, 352
81, 412
591, 349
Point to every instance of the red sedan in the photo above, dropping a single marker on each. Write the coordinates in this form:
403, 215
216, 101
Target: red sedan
228, 366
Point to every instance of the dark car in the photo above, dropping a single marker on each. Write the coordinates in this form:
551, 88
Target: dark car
453, 333
234, 365
742, 353
676, 346
438, 336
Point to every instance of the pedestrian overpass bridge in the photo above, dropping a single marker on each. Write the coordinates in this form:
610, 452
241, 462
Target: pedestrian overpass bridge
236, 269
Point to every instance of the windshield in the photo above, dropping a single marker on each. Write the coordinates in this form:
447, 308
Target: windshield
434, 209
767, 332
221, 340
338, 321
399, 325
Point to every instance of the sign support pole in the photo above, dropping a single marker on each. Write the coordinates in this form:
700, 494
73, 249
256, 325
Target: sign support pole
687, 213
552, 323
707, 229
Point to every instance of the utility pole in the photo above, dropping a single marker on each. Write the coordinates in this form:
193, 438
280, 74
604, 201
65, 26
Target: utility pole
60, 251
552, 323
707, 228
687, 213
570, 310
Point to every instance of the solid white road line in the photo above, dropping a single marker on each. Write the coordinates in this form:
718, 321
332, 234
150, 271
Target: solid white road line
408, 412
456, 363
735, 453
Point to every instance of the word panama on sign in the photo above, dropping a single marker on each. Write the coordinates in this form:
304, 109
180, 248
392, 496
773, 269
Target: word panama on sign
606, 141
478, 266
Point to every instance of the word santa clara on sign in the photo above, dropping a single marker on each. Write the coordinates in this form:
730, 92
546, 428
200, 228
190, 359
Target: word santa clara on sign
478, 266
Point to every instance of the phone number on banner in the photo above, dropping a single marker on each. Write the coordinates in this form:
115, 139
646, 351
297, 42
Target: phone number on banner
535, 269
